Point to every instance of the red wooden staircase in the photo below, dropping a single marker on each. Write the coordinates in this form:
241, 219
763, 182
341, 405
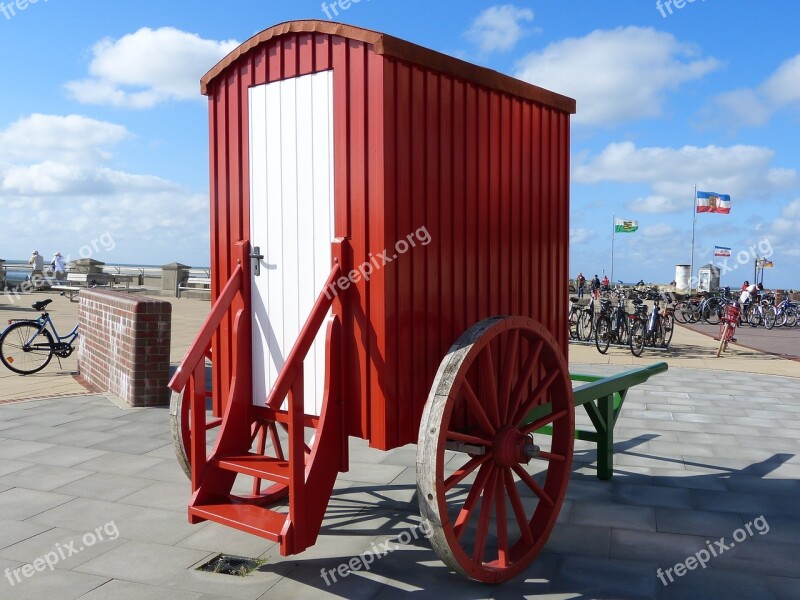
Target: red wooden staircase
306, 473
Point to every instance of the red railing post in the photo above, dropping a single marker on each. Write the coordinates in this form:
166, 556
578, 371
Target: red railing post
197, 391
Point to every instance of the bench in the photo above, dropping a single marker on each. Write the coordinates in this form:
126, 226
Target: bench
120, 279
75, 282
195, 284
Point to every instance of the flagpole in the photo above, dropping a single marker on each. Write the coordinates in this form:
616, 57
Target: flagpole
613, 234
694, 222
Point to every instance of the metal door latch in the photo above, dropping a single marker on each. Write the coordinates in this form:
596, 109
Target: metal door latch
257, 258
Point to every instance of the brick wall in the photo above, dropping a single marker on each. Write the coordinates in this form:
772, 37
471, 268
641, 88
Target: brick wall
124, 345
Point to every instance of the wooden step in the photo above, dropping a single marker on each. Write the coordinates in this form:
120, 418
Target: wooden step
255, 465
252, 519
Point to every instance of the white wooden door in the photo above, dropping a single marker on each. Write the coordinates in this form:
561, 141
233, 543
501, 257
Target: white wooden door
291, 216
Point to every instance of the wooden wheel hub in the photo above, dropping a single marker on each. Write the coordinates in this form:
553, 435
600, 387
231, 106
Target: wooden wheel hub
512, 447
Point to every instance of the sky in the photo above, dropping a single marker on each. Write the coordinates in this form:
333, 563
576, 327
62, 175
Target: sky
104, 140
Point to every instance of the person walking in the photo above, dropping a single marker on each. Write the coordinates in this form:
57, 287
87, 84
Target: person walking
59, 266
580, 282
595, 286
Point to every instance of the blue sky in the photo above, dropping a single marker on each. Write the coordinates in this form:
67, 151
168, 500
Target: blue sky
103, 130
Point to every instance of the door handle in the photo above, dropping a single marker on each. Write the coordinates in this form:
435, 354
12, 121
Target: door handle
257, 257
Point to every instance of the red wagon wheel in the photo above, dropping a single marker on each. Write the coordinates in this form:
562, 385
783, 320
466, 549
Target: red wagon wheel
487, 493
264, 440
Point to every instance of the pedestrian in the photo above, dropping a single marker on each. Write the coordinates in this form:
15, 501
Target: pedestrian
59, 266
605, 283
595, 286
580, 281
36, 262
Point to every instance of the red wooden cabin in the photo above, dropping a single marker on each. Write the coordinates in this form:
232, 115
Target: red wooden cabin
405, 196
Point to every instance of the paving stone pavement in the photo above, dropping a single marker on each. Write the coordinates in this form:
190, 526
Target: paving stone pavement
701, 455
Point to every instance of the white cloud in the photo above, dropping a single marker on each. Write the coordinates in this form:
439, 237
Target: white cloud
753, 107
499, 28
71, 137
150, 66
57, 185
784, 236
745, 172
580, 236
616, 75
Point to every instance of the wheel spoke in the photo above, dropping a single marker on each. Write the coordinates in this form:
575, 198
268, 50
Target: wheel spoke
465, 513
516, 505
460, 474
534, 397
509, 362
538, 424
502, 526
489, 386
551, 456
476, 408
522, 383
484, 519
469, 439
535, 487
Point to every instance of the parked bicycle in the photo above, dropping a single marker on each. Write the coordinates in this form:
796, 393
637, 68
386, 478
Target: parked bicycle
782, 314
574, 319
28, 345
727, 326
612, 325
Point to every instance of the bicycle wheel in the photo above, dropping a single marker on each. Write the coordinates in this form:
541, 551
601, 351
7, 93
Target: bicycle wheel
770, 317
623, 333
682, 312
586, 327
667, 328
712, 311
574, 325
791, 318
25, 349
754, 317
637, 338
602, 334
723, 339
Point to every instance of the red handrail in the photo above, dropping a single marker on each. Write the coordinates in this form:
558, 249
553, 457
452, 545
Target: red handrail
294, 362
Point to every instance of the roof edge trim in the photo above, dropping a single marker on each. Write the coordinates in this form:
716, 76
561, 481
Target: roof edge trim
391, 46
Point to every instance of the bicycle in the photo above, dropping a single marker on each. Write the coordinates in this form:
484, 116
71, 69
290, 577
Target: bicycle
574, 319
757, 314
27, 345
611, 325
727, 326
587, 322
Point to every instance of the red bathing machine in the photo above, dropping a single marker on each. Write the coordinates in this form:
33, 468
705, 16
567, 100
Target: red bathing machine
389, 247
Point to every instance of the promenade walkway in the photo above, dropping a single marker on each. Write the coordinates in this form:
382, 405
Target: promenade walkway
702, 451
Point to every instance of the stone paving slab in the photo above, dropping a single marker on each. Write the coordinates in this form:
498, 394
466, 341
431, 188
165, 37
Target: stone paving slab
677, 483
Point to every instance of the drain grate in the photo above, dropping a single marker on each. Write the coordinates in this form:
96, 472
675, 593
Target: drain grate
226, 564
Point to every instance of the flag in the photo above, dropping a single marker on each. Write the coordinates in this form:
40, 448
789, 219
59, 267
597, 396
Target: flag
713, 203
623, 226
721, 251
768, 264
